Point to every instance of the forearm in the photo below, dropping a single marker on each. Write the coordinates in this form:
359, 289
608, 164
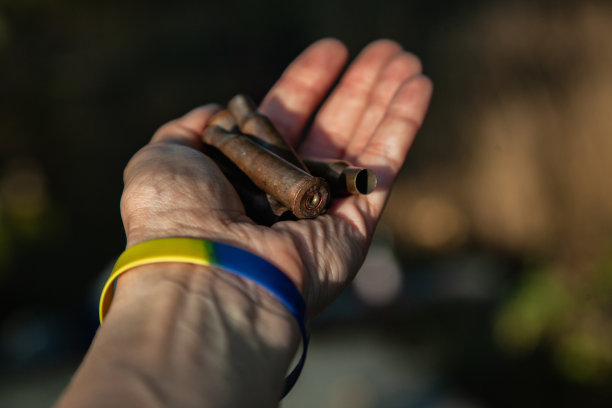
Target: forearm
185, 335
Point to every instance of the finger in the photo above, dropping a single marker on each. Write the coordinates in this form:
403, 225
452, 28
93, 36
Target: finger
387, 149
385, 153
298, 92
402, 67
187, 129
341, 113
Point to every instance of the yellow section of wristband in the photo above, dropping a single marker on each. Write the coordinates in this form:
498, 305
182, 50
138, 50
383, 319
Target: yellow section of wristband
187, 250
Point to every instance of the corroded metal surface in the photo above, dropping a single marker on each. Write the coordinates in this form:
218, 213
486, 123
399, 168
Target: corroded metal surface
273, 182
343, 178
260, 127
305, 195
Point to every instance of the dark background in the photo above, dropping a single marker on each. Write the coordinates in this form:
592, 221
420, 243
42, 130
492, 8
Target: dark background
495, 247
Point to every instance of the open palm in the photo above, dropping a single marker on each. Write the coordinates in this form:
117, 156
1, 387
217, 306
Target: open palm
370, 119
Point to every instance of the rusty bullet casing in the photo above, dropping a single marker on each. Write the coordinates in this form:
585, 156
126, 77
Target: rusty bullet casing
255, 124
343, 178
224, 119
305, 195
259, 204
256, 202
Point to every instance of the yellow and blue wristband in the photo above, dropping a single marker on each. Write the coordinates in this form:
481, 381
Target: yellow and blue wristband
226, 257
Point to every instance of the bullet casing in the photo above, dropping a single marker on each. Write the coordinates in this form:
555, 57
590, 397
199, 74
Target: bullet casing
255, 124
305, 195
343, 178
224, 119
260, 205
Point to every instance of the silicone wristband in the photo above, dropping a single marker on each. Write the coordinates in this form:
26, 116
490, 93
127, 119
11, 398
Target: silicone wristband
229, 258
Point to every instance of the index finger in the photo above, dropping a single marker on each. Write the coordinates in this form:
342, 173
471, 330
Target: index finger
387, 149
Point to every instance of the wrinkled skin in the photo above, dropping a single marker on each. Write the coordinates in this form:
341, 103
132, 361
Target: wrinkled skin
172, 188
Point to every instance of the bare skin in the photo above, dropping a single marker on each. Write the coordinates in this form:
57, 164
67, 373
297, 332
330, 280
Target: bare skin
184, 335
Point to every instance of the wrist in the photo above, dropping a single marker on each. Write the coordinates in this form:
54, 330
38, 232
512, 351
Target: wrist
170, 292
201, 319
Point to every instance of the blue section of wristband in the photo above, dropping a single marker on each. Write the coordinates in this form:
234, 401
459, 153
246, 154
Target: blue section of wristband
262, 272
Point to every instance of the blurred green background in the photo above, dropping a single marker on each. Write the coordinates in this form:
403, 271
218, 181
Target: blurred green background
489, 283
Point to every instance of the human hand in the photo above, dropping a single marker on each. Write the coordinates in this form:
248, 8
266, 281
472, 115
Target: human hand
370, 119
